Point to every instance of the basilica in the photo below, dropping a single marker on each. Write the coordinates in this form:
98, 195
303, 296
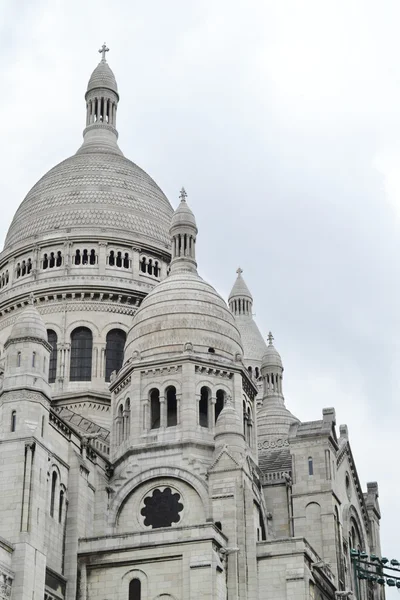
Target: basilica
146, 450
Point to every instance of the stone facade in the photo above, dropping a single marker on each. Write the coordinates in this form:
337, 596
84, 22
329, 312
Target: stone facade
146, 451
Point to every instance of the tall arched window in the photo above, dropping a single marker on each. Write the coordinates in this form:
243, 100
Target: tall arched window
115, 343
52, 339
53, 493
203, 406
172, 407
310, 466
61, 506
155, 413
135, 590
219, 405
13, 420
81, 354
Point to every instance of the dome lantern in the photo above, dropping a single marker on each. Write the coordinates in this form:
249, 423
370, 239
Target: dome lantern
101, 108
183, 233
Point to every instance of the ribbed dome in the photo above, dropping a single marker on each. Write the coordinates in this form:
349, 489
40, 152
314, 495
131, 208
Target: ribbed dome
102, 77
29, 324
183, 216
94, 189
183, 309
271, 358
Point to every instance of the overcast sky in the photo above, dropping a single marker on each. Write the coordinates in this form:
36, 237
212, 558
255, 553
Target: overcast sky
282, 120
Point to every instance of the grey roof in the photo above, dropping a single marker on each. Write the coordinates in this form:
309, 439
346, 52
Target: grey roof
98, 189
254, 346
81, 424
29, 324
102, 77
240, 289
275, 460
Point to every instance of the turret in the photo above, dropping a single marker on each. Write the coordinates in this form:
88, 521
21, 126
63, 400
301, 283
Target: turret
27, 353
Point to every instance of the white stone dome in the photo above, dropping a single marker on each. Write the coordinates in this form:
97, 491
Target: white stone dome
29, 324
94, 189
271, 358
102, 77
183, 217
183, 312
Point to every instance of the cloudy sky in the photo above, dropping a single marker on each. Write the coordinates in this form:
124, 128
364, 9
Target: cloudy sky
282, 120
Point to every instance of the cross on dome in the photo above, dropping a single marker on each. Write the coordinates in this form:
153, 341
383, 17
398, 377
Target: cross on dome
103, 51
183, 195
270, 338
239, 271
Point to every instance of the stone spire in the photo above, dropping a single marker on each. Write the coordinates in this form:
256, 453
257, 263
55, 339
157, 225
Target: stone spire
183, 233
101, 109
240, 299
273, 418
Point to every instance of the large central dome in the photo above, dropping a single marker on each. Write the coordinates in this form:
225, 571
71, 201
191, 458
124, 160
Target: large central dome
94, 189
97, 187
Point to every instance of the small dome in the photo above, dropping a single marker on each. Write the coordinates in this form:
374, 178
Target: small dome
102, 77
271, 358
183, 311
228, 421
183, 216
29, 324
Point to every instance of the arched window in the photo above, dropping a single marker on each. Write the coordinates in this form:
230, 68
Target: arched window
85, 257
111, 258
155, 413
29, 265
61, 506
52, 339
156, 269
81, 354
53, 493
52, 260
135, 590
115, 343
126, 261
127, 418
310, 466
172, 407
121, 424
77, 257
59, 259
249, 426
33, 359
219, 405
203, 406
23, 270
13, 420
143, 265
42, 428
92, 258
150, 267
45, 261
18, 359
118, 262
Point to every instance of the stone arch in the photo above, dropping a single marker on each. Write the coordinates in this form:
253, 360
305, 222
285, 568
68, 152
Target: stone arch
127, 490
350, 512
170, 383
55, 327
82, 323
127, 578
314, 526
113, 325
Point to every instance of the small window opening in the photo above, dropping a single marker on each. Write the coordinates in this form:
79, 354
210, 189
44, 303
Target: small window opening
218, 525
52, 260
156, 269
172, 407
135, 590
150, 267
126, 261
13, 420
53, 493
203, 406
310, 466
211, 350
61, 506
111, 259
19, 359
59, 259
45, 261
85, 257
18, 270
29, 265
92, 259
220, 403
23, 269
42, 428
257, 372
155, 412
78, 257
119, 259
33, 359
143, 265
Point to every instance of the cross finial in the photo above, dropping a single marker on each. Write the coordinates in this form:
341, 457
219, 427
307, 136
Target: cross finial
183, 195
270, 338
103, 51
239, 271
31, 299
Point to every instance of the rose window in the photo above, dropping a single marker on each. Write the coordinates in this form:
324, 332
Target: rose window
162, 508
